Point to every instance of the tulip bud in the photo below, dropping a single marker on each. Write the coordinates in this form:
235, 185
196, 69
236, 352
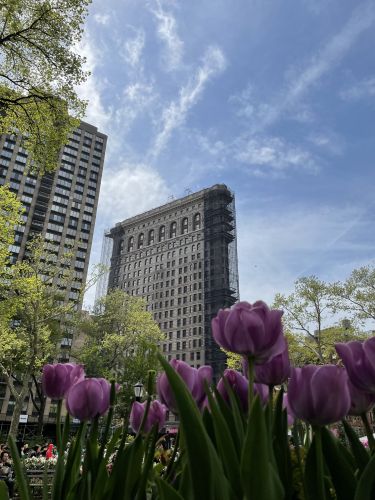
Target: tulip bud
358, 359
89, 398
361, 402
319, 394
156, 415
240, 384
58, 378
250, 330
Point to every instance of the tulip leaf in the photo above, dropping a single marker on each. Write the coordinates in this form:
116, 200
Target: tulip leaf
21, 478
359, 452
281, 446
366, 484
315, 480
127, 470
340, 469
260, 481
226, 446
3, 491
206, 473
166, 491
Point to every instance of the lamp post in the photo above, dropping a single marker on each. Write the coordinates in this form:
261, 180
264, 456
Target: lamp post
138, 391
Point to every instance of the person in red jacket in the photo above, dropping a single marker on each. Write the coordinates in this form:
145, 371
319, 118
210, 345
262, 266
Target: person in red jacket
49, 452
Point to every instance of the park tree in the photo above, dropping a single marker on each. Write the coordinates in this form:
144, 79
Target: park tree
356, 295
33, 313
120, 341
10, 216
40, 68
310, 323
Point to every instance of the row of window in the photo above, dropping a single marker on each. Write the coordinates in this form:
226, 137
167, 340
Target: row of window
184, 228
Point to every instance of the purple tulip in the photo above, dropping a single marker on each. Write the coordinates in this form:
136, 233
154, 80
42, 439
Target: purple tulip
203, 374
193, 378
274, 372
359, 361
319, 394
361, 402
240, 386
89, 398
290, 415
250, 330
58, 378
156, 415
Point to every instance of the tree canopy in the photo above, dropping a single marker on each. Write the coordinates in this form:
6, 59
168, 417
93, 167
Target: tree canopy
121, 341
40, 68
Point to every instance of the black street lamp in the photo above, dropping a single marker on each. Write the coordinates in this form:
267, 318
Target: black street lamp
138, 391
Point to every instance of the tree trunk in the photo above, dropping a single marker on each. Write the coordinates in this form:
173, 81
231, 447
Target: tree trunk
42, 407
15, 422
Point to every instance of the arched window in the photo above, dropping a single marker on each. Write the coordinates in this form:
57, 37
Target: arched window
140, 240
173, 230
151, 237
121, 245
197, 222
131, 244
184, 225
162, 233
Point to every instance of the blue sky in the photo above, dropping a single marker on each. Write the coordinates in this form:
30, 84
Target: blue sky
275, 98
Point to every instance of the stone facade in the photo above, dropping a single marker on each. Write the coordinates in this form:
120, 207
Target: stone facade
182, 259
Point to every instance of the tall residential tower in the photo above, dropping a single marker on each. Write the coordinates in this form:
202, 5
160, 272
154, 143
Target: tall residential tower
182, 259
61, 206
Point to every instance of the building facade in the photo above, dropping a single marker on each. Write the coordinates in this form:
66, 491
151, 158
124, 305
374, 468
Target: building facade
182, 259
61, 206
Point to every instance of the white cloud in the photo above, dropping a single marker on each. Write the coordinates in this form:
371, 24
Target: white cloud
299, 80
136, 99
132, 48
91, 90
175, 114
102, 18
130, 190
275, 249
361, 90
328, 141
167, 32
273, 153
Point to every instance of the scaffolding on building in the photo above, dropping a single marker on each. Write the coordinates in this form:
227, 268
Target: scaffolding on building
105, 262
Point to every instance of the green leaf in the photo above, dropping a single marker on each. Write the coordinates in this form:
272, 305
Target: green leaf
226, 446
281, 446
359, 452
3, 491
366, 484
260, 481
340, 469
206, 472
166, 491
21, 478
314, 480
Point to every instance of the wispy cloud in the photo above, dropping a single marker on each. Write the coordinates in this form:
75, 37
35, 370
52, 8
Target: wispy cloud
92, 89
168, 34
132, 48
328, 141
362, 89
265, 154
144, 189
301, 79
174, 115
102, 18
269, 263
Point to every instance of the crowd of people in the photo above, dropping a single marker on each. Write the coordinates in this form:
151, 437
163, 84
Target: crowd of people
6, 465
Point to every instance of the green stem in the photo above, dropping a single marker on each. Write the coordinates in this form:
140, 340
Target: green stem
369, 432
58, 427
173, 457
319, 463
251, 376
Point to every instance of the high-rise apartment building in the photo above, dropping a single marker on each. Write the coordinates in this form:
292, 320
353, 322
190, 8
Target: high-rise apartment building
61, 206
182, 259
